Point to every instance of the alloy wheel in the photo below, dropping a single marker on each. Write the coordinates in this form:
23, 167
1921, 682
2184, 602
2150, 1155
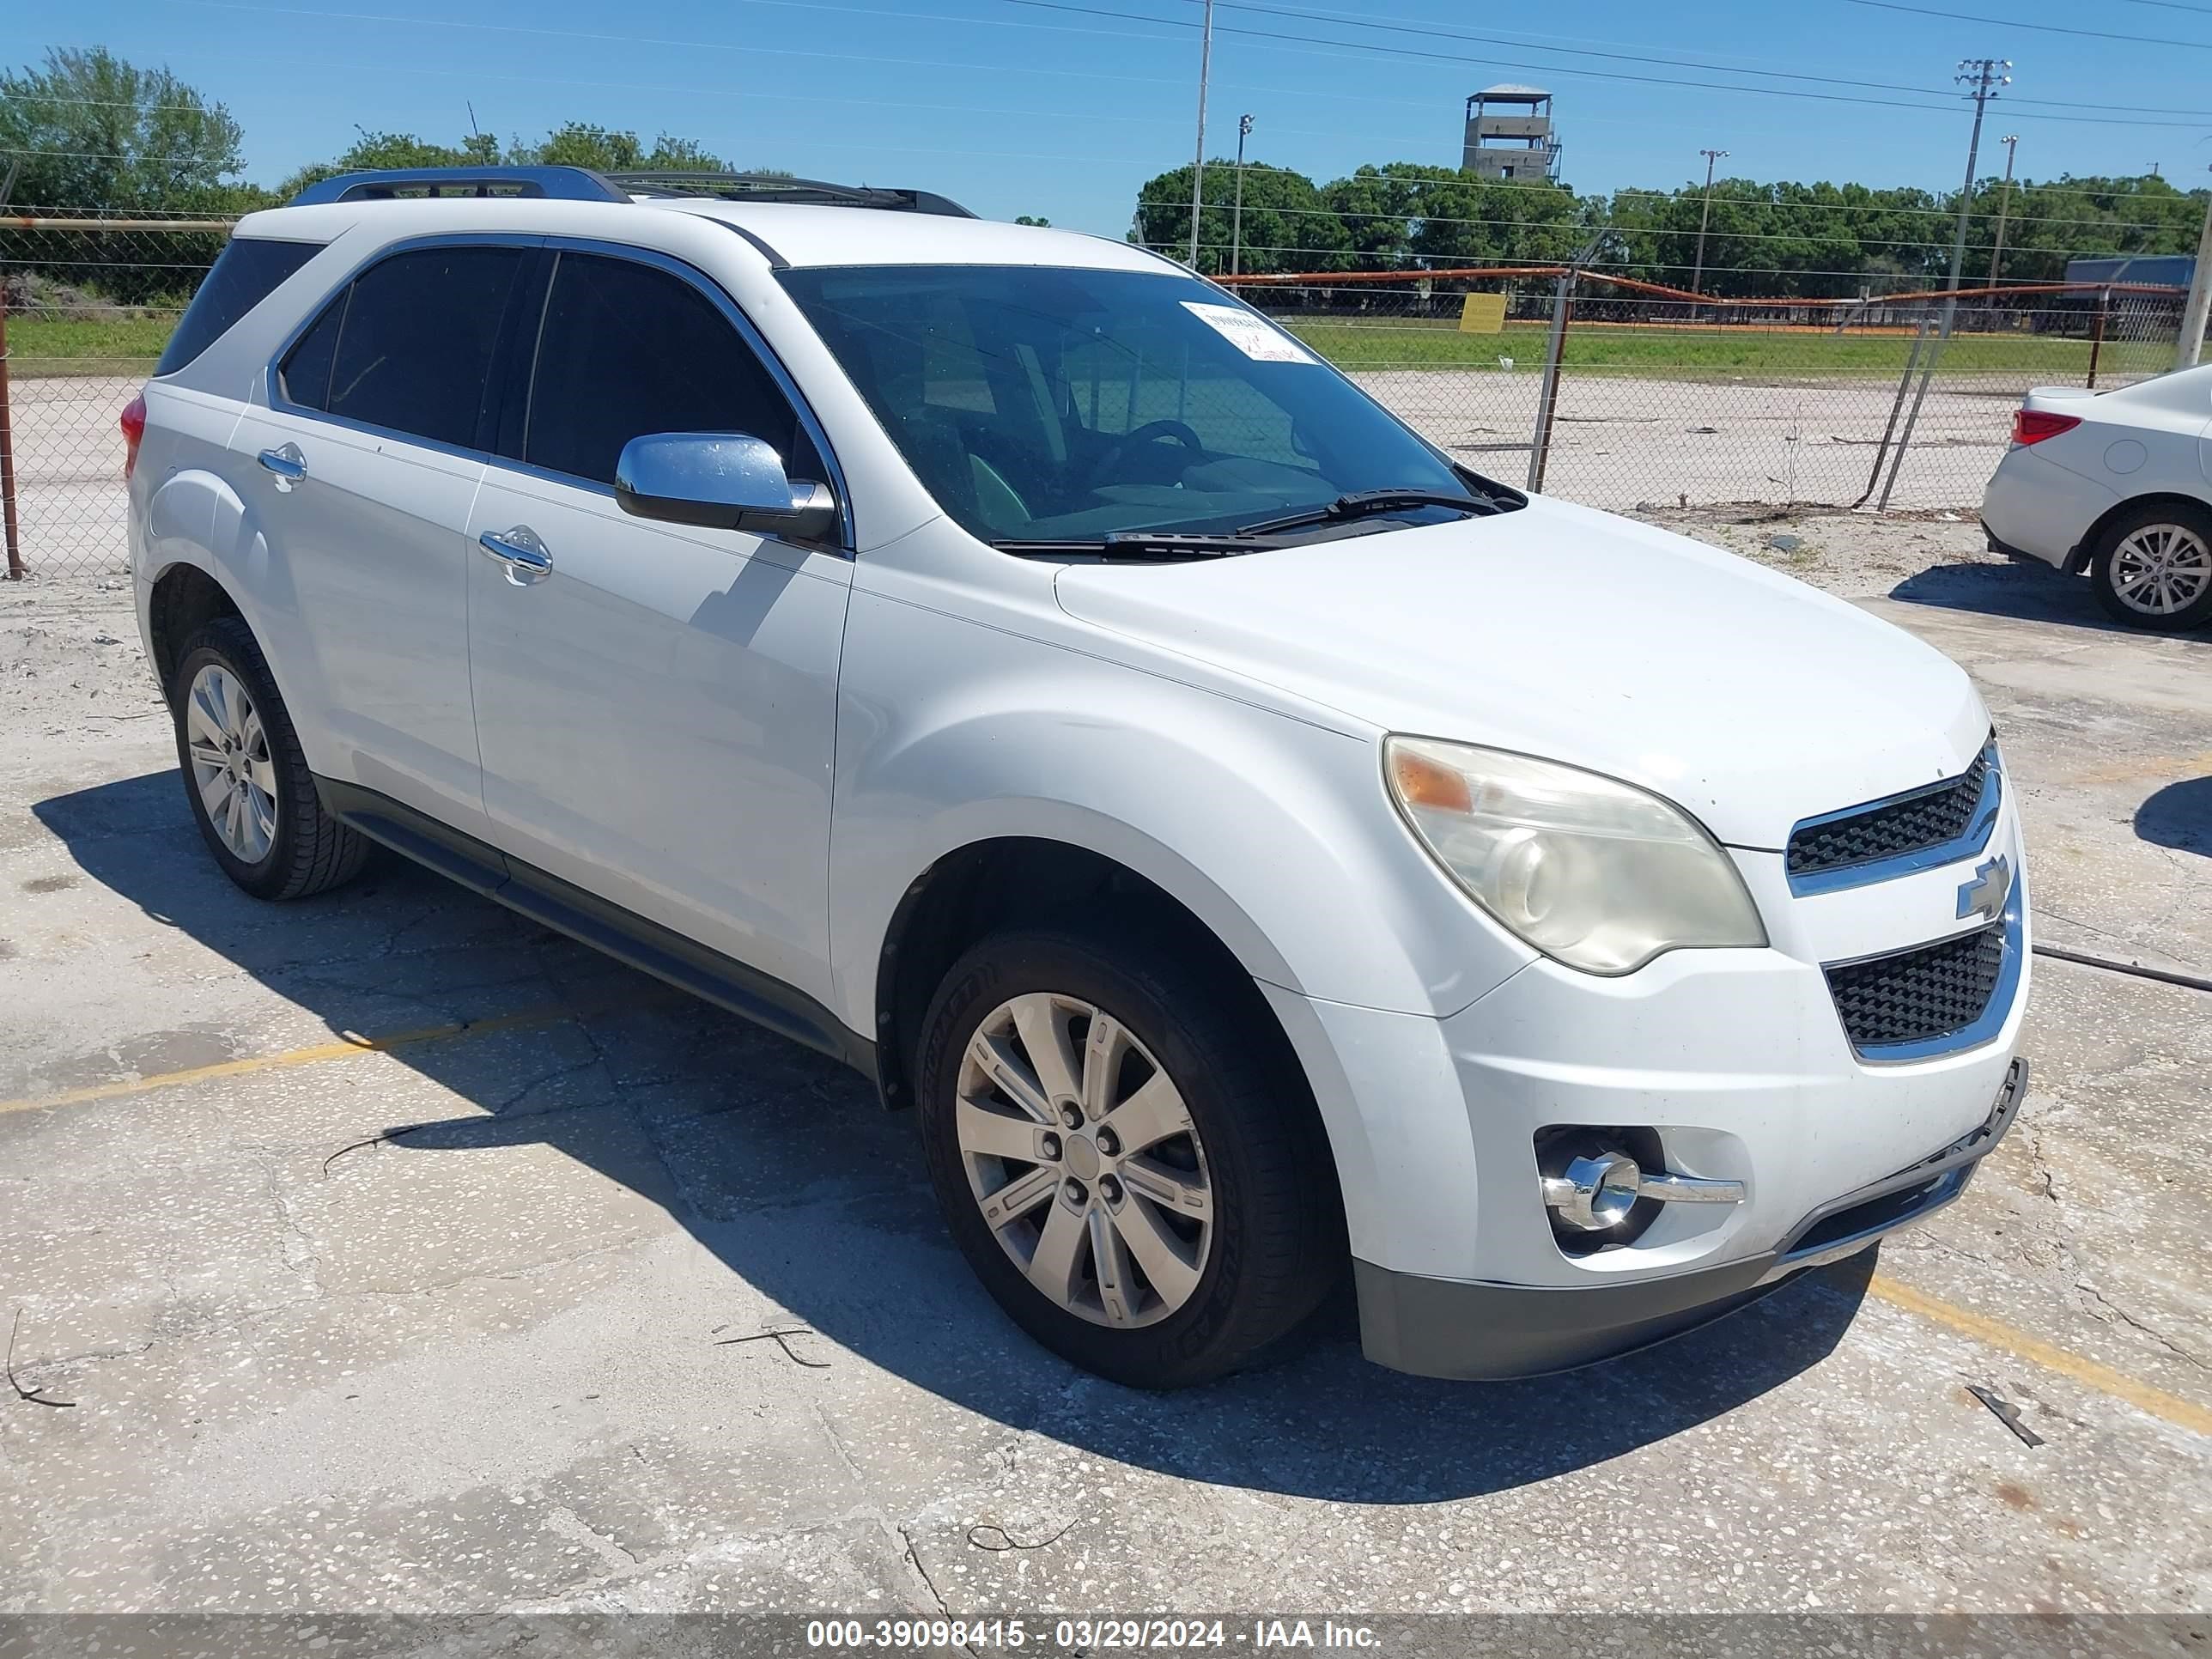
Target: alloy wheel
231, 768
2161, 569
1082, 1155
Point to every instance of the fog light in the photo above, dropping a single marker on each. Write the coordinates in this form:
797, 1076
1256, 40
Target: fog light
1595, 1194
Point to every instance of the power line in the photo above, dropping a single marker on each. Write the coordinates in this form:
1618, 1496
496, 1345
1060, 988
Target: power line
1337, 46
2041, 29
1646, 57
1334, 47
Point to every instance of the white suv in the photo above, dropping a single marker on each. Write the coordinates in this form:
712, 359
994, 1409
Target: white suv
1249, 841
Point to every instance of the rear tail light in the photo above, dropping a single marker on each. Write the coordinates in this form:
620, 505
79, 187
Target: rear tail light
2032, 426
133, 422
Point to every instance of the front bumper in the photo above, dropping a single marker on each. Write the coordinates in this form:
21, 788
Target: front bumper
1454, 1328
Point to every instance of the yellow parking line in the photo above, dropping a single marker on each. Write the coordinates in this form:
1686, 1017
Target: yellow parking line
2087, 1373
351, 1045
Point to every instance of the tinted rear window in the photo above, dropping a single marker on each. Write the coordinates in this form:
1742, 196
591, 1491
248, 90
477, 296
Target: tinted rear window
305, 373
248, 271
415, 347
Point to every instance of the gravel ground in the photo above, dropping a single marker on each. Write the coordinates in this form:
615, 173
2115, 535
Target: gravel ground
513, 1362
1851, 554
71, 668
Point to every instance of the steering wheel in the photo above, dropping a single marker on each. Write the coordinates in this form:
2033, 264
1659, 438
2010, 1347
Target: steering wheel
1151, 432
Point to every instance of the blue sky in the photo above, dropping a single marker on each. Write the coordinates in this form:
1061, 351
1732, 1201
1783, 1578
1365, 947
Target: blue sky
1019, 107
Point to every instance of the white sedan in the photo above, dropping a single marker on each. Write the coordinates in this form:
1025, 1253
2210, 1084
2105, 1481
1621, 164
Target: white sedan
2119, 483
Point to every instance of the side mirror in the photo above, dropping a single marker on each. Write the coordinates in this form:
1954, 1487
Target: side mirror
720, 481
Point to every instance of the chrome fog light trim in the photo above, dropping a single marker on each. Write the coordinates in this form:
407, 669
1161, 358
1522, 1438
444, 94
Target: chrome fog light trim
1595, 1194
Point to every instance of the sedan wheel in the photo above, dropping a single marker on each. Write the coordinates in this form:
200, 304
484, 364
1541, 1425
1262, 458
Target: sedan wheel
1082, 1157
2161, 570
2153, 567
229, 749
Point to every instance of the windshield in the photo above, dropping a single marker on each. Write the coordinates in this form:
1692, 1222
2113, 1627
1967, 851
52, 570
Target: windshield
1052, 404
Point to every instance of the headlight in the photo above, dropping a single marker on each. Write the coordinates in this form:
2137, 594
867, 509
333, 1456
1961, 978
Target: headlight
1599, 874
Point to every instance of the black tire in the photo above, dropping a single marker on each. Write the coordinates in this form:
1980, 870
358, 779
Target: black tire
309, 851
1277, 1245
2195, 521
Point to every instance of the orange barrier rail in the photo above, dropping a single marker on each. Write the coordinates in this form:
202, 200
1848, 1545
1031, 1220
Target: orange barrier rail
1637, 285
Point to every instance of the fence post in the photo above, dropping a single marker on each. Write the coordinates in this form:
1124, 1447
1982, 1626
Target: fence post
1927, 373
1896, 407
1547, 397
8, 454
2097, 335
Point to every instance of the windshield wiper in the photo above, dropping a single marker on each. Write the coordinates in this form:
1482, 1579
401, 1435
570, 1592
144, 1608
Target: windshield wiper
1367, 503
1139, 546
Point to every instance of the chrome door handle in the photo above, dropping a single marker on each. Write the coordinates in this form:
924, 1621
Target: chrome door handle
521, 551
286, 461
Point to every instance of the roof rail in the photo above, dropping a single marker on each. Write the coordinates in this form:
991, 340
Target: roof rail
781, 187
557, 184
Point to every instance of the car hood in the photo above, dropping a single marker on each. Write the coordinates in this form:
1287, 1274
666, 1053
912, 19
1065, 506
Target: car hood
1739, 693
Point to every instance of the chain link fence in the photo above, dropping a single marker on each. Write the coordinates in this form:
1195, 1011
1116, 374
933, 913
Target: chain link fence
1613, 393
89, 302
1621, 395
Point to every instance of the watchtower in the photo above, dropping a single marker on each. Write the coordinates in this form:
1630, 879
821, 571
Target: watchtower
1509, 134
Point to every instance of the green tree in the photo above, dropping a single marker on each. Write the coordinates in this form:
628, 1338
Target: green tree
582, 144
2072, 218
574, 144
1287, 225
93, 133
1408, 214
1030, 219
377, 151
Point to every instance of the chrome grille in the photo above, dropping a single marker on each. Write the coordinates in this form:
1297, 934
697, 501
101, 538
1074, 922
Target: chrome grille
1914, 996
1902, 825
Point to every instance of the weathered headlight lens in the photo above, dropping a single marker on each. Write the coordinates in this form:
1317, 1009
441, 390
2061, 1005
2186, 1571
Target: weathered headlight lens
1599, 874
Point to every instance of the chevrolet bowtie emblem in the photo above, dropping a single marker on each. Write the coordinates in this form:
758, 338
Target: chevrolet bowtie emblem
1986, 895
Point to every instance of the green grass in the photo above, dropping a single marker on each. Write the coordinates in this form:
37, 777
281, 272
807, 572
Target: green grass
125, 346
40, 347
1781, 354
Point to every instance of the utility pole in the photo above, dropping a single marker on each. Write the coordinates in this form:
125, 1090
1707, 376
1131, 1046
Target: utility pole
1982, 77
2200, 300
1236, 214
1197, 172
1698, 278
2011, 142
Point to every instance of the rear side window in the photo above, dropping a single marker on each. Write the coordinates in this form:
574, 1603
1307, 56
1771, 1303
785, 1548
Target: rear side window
305, 373
413, 352
628, 349
247, 272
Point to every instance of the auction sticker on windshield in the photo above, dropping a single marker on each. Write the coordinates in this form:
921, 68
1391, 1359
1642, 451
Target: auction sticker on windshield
1249, 334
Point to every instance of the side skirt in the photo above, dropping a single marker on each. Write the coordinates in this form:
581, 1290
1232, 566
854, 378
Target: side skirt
566, 908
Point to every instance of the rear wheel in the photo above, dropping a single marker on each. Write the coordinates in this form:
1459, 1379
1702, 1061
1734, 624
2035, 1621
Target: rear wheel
1136, 1177
2153, 568
247, 781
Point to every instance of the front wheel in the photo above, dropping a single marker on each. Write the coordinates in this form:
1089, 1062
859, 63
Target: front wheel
1134, 1172
2153, 568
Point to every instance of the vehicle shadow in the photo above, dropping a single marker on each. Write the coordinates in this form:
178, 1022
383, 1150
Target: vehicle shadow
784, 1166
2022, 592
2179, 816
